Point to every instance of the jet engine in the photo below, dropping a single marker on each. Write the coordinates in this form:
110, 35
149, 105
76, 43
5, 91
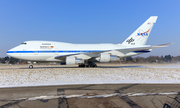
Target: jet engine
105, 57
72, 61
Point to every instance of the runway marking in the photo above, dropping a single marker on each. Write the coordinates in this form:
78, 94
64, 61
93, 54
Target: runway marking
95, 96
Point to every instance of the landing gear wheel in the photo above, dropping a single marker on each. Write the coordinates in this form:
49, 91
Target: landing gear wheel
86, 65
91, 65
30, 66
94, 65
82, 65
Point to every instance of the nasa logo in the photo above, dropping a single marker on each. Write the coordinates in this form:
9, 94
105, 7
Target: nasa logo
143, 34
130, 40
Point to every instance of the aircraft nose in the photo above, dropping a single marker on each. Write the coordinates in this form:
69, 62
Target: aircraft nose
10, 52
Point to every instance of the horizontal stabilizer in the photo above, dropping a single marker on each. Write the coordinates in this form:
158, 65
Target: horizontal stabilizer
163, 45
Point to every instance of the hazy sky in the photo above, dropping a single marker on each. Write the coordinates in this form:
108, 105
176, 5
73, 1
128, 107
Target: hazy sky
88, 21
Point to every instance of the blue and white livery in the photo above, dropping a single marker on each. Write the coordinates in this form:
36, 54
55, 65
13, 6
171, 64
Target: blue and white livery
86, 54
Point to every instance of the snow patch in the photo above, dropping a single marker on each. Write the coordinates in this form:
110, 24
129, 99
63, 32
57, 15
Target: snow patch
67, 76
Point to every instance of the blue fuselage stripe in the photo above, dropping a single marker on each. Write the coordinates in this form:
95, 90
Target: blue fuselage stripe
73, 51
143, 51
51, 51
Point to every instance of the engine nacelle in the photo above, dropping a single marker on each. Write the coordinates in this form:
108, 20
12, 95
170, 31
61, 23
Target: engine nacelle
105, 57
72, 61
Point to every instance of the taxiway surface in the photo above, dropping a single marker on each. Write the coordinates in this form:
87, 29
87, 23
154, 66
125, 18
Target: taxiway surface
93, 95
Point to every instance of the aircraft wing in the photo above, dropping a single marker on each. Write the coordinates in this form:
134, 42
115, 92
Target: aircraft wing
142, 48
126, 50
63, 57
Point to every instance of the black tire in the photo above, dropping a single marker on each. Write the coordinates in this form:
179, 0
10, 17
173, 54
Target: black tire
82, 65
91, 65
95, 65
87, 65
30, 66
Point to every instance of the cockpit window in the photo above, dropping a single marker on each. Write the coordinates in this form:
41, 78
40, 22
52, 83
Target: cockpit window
24, 43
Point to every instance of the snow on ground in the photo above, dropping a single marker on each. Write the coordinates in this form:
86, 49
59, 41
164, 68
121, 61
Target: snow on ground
20, 75
166, 66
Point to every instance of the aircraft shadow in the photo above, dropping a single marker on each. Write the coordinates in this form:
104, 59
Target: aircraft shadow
86, 67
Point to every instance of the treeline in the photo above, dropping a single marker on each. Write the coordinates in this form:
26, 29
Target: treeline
150, 59
10, 60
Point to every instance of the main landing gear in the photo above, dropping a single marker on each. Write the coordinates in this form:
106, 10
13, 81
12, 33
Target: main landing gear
88, 65
30, 64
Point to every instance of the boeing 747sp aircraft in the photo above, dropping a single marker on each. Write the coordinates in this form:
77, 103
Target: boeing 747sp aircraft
85, 55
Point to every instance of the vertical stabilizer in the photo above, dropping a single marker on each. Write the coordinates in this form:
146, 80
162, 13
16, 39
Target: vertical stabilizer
140, 35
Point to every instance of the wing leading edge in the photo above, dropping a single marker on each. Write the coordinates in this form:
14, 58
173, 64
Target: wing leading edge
63, 57
126, 50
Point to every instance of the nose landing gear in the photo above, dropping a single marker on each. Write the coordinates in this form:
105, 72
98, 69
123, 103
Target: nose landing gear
30, 66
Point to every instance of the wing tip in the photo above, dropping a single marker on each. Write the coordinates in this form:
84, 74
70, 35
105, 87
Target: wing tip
164, 45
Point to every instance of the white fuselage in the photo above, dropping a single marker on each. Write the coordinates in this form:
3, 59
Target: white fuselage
67, 52
48, 50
